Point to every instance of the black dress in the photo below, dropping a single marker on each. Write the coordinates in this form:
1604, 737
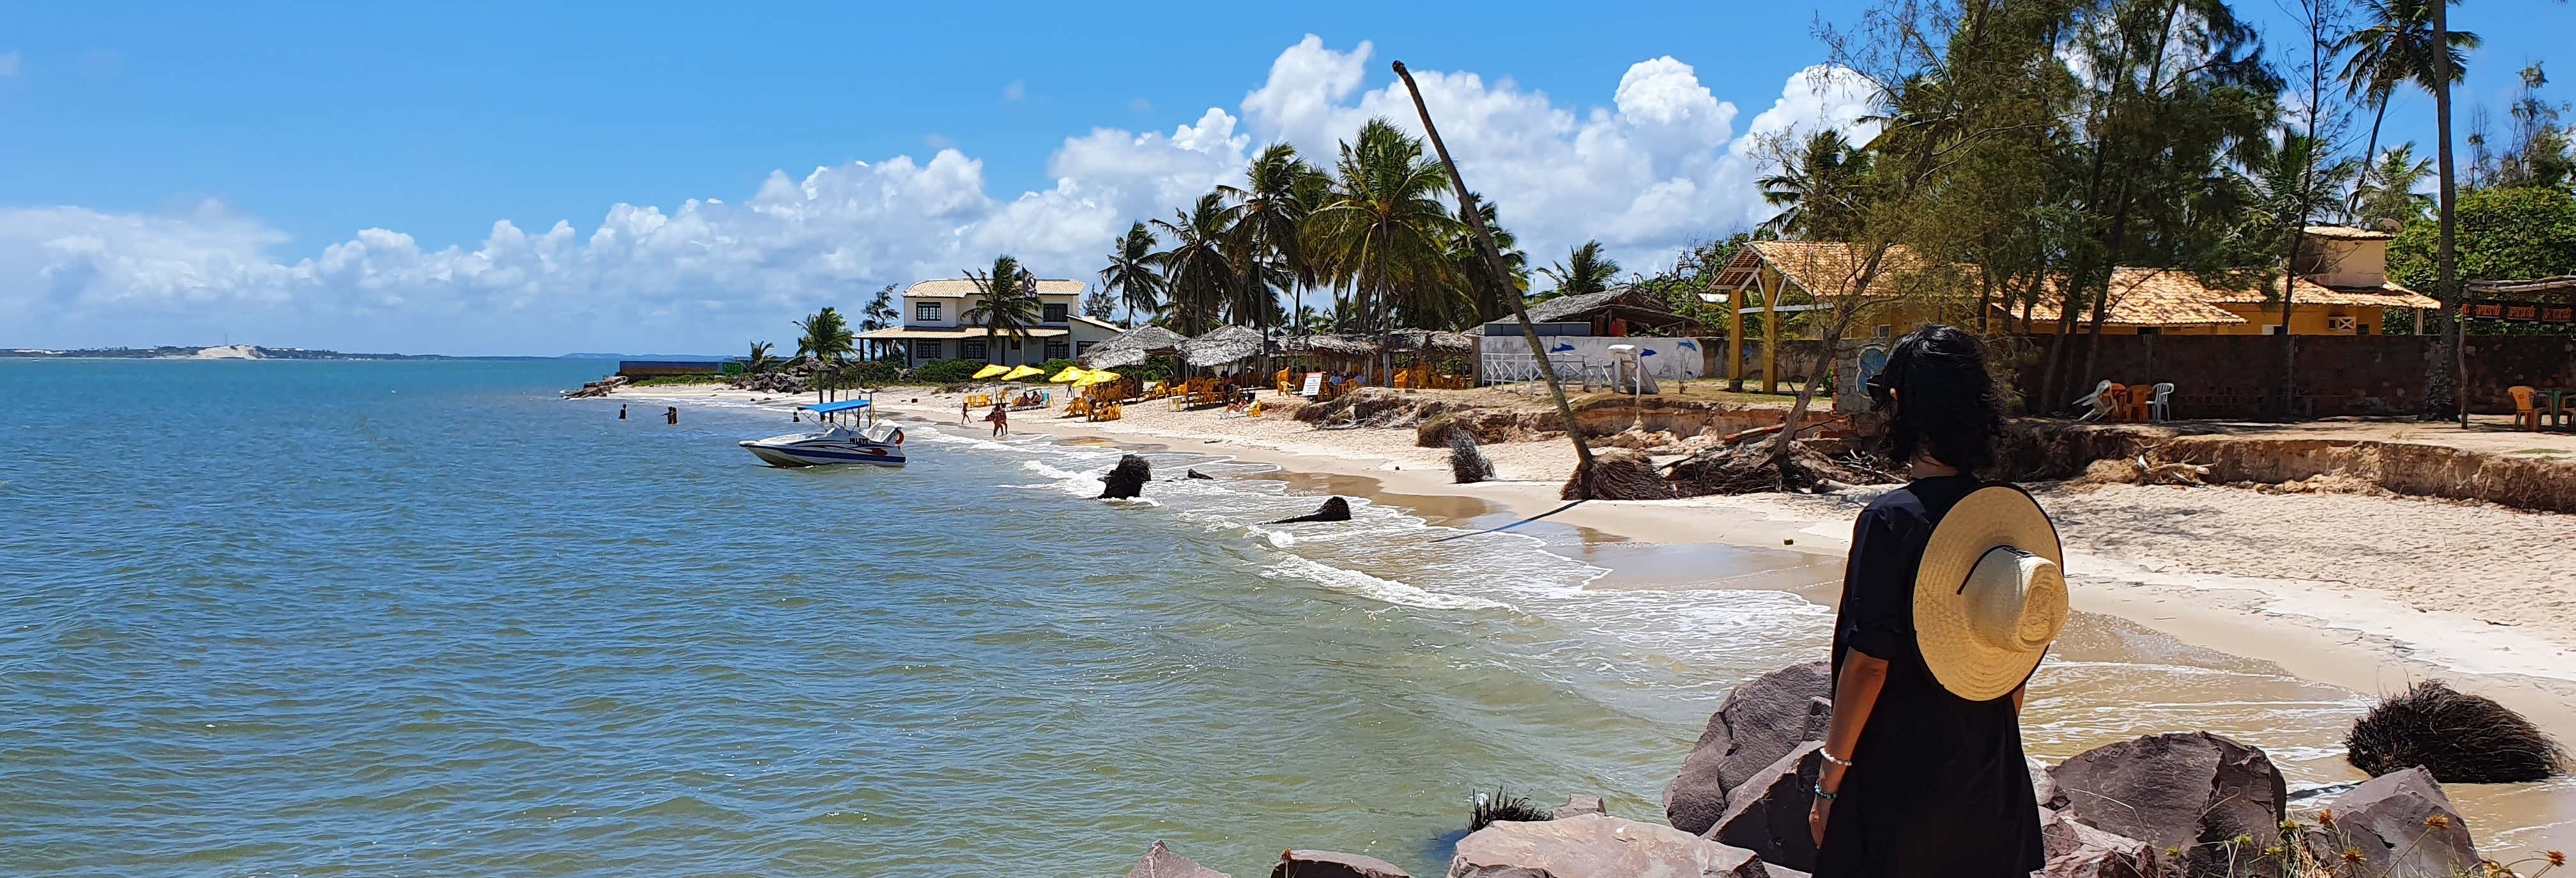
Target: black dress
1937, 786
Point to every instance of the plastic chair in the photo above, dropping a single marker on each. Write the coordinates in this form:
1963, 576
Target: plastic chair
2160, 407
2525, 415
2141, 403
2093, 402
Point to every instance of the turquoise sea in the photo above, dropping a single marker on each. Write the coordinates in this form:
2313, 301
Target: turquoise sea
393, 618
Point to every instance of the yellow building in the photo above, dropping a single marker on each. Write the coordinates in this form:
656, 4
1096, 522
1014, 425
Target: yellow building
2341, 288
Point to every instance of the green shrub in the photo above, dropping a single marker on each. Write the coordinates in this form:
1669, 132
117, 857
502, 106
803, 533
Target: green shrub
946, 371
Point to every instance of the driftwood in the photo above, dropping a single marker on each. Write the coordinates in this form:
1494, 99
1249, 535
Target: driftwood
1467, 463
1619, 474
1195, 474
1334, 509
1127, 480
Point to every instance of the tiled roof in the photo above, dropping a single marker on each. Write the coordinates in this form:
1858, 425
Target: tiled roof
959, 288
2172, 297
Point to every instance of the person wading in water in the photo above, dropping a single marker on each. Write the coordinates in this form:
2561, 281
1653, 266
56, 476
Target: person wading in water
671, 416
1951, 595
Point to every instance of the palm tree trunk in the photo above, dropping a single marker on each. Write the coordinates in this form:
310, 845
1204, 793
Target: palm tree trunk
1582, 481
2369, 157
2444, 380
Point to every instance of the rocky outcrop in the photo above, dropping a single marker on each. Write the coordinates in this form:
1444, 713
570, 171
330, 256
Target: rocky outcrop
2075, 850
2194, 792
2400, 823
1160, 862
1596, 846
1759, 722
1334, 509
1127, 480
601, 387
1332, 864
1767, 814
1578, 805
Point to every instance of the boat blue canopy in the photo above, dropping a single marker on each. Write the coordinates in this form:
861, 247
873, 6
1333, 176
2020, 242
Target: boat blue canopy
830, 407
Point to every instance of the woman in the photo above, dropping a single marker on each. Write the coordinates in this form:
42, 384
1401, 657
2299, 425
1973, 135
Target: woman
1917, 780
1001, 418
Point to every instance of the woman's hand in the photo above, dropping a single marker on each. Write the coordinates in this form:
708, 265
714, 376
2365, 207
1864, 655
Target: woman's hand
1818, 811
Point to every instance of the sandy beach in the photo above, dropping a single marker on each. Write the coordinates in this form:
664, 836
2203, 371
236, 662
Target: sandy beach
2364, 592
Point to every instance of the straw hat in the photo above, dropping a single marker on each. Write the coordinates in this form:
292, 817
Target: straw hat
1989, 597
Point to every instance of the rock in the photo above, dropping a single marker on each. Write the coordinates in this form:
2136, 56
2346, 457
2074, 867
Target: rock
1195, 474
1334, 509
1596, 846
1768, 812
1578, 805
1160, 862
2075, 850
1331, 864
2043, 789
2188, 791
2390, 820
1467, 463
1759, 721
1127, 480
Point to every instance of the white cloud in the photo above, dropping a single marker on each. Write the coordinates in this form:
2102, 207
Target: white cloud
1015, 91
1660, 166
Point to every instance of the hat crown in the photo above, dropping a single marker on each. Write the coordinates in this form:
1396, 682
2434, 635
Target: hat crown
2015, 600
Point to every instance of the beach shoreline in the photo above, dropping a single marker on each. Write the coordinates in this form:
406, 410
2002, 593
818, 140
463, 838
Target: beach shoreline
2337, 634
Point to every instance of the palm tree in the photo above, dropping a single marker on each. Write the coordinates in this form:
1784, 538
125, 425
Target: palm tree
1010, 306
1480, 298
2397, 48
826, 342
879, 314
1131, 273
1584, 271
760, 360
1811, 189
2392, 196
1197, 275
1384, 235
1266, 217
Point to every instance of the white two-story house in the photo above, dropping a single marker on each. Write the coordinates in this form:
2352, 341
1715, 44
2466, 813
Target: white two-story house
936, 325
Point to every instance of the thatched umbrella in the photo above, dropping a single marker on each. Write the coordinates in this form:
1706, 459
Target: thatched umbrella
1225, 344
1131, 347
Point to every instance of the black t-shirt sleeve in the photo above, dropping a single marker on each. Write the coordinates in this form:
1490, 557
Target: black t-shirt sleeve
1877, 594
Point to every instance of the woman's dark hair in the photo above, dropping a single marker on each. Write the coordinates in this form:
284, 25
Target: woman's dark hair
1944, 403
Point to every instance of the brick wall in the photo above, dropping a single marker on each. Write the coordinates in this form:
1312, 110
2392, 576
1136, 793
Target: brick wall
2226, 376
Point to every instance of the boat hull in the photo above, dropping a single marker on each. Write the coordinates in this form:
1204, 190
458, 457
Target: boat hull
822, 453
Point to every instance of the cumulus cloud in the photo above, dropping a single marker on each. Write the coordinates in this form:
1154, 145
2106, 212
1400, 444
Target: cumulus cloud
1659, 166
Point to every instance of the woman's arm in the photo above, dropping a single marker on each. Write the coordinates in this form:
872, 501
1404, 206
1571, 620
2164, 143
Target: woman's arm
1855, 693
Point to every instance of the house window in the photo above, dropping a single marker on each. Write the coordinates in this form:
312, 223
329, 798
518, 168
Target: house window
1056, 312
2151, 330
1883, 330
1015, 344
926, 350
925, 312
1056, 349
2271, 329
2361, 329
972, 349
1082, 347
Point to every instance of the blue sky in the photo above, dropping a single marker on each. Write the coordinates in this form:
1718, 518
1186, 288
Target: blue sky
178, 173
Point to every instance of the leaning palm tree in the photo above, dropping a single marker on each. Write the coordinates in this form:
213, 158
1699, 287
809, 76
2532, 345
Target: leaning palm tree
1131, 274
826, 343
1266, 217
1584, 271
1010, 306
1197, 273
1384, 235
2396, 48
879, 314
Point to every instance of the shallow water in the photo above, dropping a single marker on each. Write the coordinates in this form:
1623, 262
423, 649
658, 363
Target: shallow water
367, 618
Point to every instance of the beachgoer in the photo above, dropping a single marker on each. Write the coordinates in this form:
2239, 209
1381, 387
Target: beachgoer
621, 411
671, 415
1923, 771
1001, 418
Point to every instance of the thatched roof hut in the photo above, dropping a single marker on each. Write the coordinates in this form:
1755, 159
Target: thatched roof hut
1225, 344
1132, 347
1435, 341
1337, 345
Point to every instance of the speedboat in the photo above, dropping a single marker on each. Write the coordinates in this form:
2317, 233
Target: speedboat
864, 442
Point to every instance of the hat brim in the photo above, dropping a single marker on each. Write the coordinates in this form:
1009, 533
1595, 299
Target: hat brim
1965, 664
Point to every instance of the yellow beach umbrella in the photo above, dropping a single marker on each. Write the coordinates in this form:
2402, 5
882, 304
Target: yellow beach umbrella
990, 370
1067, 375
1097, 377
1019, 372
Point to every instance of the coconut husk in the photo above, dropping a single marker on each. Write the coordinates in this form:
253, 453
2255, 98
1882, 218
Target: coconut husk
1127, 480
2460, 738
1619, 474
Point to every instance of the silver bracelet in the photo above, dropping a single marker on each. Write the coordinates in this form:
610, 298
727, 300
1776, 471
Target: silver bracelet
1829, 757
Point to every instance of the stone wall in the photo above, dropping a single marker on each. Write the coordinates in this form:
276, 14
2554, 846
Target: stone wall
2226, 376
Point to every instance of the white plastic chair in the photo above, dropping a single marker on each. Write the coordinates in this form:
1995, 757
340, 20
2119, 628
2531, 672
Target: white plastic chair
2159, 408
2093, 402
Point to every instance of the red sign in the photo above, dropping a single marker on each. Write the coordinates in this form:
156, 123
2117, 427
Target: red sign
2530, 311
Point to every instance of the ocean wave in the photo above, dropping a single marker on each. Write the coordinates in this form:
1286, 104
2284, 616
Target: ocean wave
1353, 582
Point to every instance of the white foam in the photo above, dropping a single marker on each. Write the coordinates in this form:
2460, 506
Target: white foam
1390, 591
